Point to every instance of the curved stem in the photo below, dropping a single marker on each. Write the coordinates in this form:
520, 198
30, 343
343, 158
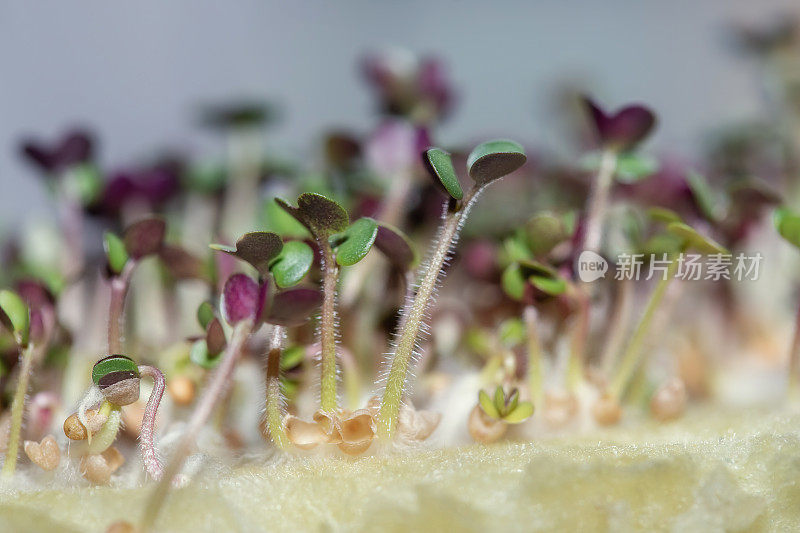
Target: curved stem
17, 410
199, 417
535, 370
414, 315
598, 201
274, 401
147, 433
632, 356
328, 400
116, 307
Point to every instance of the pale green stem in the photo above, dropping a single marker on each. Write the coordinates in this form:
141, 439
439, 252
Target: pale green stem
577, 352
620, 316
535, 370
328, 402
414, 315
598, 200
274, 402
116, 307
633, 353
219, 383
794, 358
17, 410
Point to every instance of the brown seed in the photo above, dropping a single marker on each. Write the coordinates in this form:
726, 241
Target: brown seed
304, 435
560, 406
357, 430
98, 468
483, 427
74, 430
606, 410
122, 392
181, 389
669, 401
46, 453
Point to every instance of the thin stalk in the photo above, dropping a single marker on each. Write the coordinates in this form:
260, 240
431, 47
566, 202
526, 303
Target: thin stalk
632, 356
414, 315
116, 307
147, 434
535, 370
794, 357
598, 200
274, 404
577, 352
17, 410
217, 386
328, 402
620, 316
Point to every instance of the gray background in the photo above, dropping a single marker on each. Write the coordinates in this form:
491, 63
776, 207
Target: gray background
134, 70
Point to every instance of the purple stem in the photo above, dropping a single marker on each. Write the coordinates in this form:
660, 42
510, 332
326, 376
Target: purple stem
147, 433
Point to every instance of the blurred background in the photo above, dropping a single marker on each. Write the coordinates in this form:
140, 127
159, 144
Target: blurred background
136, 72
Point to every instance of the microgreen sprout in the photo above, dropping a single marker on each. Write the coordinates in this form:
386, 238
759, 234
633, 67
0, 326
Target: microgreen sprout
340, 244
245, 304
118, 379
687, 238
528, 279
486, 163
618, 134
489, 419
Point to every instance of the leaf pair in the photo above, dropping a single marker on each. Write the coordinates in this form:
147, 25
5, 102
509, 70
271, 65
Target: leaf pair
329, 223
265, 251
623, 130
486, 163
140, 239
244, 299
518, 276
680, 236
630, 167
505, 407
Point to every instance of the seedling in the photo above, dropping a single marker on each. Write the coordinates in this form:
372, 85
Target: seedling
619, 134
246, 304
340, 244
489, 419
116, 382
528, 279
688, 239
487, 163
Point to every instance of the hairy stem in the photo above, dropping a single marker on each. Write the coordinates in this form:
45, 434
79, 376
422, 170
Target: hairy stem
414, 315
17, 410
632, 355
274, 401
217, 386
328, 401
598, 200
535, 370
147, 434
116, 307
